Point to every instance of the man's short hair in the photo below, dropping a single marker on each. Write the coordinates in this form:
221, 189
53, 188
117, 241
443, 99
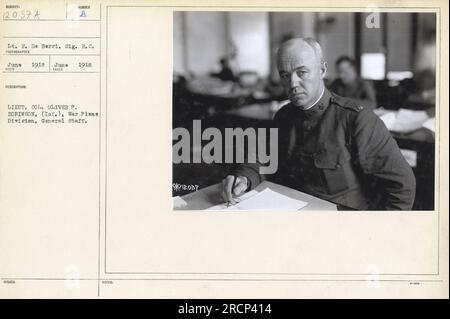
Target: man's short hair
316, 47
311, 42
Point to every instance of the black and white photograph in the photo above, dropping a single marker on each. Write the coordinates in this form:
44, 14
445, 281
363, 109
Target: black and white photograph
224, 150
309, 111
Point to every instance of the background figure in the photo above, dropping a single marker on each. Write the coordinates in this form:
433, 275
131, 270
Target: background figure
426, 53
232, 57
225, 74
349, 84
423, 93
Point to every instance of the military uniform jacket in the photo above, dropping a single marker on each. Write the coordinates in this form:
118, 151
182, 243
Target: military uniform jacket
340, 152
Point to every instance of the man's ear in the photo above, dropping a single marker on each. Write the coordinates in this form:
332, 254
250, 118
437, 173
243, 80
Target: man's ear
323, 69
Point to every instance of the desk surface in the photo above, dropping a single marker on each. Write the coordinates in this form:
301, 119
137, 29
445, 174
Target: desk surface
210, 196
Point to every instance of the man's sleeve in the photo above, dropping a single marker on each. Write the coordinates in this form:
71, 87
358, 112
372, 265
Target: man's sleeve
251, 170
380, 157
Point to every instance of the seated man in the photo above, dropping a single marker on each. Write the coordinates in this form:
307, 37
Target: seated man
349, 84
329, 146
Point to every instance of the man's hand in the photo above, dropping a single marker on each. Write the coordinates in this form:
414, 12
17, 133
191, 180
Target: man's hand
240, 186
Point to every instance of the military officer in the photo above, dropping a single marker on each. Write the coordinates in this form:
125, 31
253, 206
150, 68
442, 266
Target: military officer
329, 146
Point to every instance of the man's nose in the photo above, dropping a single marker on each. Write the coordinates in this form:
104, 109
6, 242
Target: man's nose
295, 80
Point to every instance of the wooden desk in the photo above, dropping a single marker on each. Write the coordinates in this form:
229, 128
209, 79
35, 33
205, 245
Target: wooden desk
210, 196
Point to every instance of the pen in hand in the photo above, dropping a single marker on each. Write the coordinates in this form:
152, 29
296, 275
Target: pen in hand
233, 185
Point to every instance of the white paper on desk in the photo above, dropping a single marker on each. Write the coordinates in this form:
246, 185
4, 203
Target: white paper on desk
408, 120
178, 202
224, 206
267, 200
430, 124
389, 119
404, 121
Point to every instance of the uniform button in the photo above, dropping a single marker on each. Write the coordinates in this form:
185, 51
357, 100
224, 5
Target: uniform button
360, 108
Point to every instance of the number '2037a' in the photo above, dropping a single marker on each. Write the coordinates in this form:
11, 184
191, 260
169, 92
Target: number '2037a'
21, 15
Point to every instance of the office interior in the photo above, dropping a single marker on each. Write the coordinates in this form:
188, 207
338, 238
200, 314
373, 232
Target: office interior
224, 73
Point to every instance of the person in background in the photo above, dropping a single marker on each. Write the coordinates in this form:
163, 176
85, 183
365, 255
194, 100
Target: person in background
421, 94
426, 53
225, 74
349, 84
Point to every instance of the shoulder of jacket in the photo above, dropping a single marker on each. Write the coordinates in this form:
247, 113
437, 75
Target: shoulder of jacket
284, 112
346, 103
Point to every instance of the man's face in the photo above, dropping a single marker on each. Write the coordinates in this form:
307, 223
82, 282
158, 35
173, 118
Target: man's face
301, 73
346, 72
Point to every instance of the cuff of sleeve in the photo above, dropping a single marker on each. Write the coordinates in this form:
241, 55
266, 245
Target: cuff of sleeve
254, 179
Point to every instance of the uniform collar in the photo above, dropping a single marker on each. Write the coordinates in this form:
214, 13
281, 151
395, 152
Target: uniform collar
316, 101
319, 107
